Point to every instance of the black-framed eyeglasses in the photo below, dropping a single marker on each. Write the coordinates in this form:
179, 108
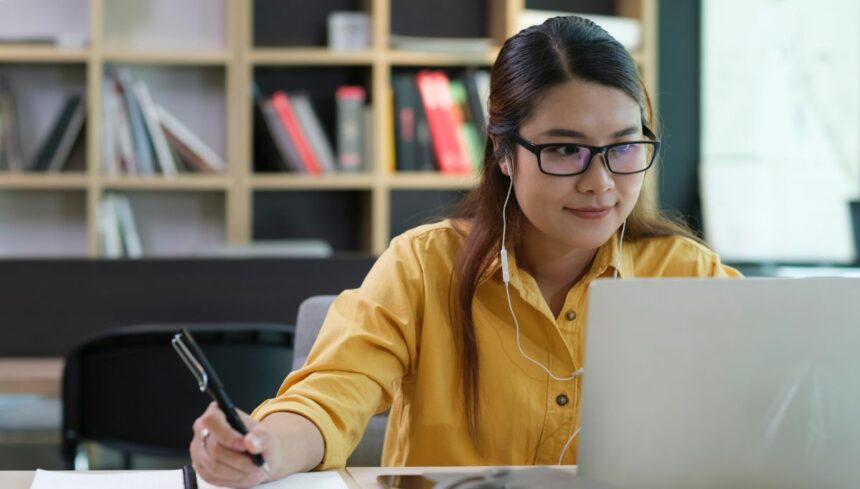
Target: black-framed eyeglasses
569, 159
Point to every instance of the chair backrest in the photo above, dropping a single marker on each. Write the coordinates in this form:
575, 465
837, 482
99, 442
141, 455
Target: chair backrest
128, 390
312, 313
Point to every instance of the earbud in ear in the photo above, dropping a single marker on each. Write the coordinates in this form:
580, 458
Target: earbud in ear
505, 166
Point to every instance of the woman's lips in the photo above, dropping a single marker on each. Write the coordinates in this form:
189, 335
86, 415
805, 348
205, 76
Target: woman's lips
589, 212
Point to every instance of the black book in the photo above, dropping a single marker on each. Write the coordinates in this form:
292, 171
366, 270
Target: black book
475, 101
405, 129
55, 149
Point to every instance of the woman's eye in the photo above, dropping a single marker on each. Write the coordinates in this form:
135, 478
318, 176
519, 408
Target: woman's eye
624, 148
567, 149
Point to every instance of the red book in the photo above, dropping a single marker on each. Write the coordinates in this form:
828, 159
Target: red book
435, 90
281, 103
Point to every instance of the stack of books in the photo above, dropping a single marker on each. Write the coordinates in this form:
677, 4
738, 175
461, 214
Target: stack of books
288, 126
439, 122
142, 137
53, 154
118, 236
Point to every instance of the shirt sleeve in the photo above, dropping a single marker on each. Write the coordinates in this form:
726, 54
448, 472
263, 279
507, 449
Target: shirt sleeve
367, 343
720, 270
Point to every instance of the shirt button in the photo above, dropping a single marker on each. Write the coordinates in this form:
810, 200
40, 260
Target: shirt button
562, 400
571, 315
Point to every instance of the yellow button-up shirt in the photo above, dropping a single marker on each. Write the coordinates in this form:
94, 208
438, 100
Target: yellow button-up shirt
389, 344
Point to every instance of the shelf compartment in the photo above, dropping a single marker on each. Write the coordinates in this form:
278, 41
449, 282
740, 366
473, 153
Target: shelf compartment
194, 95
339, 217
410, 208
276, 22
41, 92
163, 25
43, 223
176, 224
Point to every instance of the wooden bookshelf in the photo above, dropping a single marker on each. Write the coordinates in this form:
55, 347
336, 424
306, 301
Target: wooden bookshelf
429, 181
23, 181
212, 58
159, 182
308, 182
42, 54
234, 62
310, 56
412, 58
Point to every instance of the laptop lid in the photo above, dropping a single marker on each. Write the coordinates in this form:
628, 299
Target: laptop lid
722, 383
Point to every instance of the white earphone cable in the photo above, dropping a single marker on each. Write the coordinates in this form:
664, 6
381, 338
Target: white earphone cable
506, 278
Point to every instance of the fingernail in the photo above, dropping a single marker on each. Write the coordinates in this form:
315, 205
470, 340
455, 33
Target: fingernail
255, 442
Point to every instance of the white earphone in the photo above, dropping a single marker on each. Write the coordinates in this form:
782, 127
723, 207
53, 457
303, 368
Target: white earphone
506, 278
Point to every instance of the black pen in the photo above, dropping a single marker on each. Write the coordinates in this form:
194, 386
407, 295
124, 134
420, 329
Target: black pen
189, 477
208, 381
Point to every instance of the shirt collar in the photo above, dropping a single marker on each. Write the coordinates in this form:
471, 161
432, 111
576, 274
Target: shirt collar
604, 264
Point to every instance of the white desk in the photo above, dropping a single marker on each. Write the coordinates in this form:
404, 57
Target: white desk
355, 477
365, 477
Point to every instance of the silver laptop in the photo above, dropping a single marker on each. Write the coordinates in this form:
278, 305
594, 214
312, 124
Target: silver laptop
751, 383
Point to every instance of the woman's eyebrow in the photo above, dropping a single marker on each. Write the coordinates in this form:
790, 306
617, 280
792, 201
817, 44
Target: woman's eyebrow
558, 131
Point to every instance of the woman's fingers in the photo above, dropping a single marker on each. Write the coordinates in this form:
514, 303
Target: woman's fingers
214, 420
219, 452
209, 467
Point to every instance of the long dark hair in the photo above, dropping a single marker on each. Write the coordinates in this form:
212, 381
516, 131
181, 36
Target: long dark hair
529, 63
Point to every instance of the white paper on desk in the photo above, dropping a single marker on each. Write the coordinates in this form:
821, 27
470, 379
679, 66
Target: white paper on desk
308, 480
169, 479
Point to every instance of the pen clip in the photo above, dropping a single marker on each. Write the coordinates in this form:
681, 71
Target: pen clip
190, 361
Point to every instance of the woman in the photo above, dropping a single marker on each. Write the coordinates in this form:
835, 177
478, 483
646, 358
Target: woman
471, 330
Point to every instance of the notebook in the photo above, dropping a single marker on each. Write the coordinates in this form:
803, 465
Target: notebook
169, 479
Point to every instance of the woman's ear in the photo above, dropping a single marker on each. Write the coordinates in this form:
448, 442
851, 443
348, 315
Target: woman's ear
505, 166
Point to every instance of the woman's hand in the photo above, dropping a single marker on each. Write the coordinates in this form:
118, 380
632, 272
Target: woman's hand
218, 452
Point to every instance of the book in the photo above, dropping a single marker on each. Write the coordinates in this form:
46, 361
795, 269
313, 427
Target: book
150, 116
406, 101
368, 154
109, 151
122, 126
139, 135
195, 152
314, 131
435, 91
284, 108
11, 157
477, 98
56, 147
273, 149
128, 229
467, 131
349, 101
110, 237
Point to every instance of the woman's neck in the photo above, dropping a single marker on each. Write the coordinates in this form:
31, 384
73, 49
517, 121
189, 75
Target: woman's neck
554, 266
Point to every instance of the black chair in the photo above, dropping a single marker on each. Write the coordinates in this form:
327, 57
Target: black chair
128, 390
